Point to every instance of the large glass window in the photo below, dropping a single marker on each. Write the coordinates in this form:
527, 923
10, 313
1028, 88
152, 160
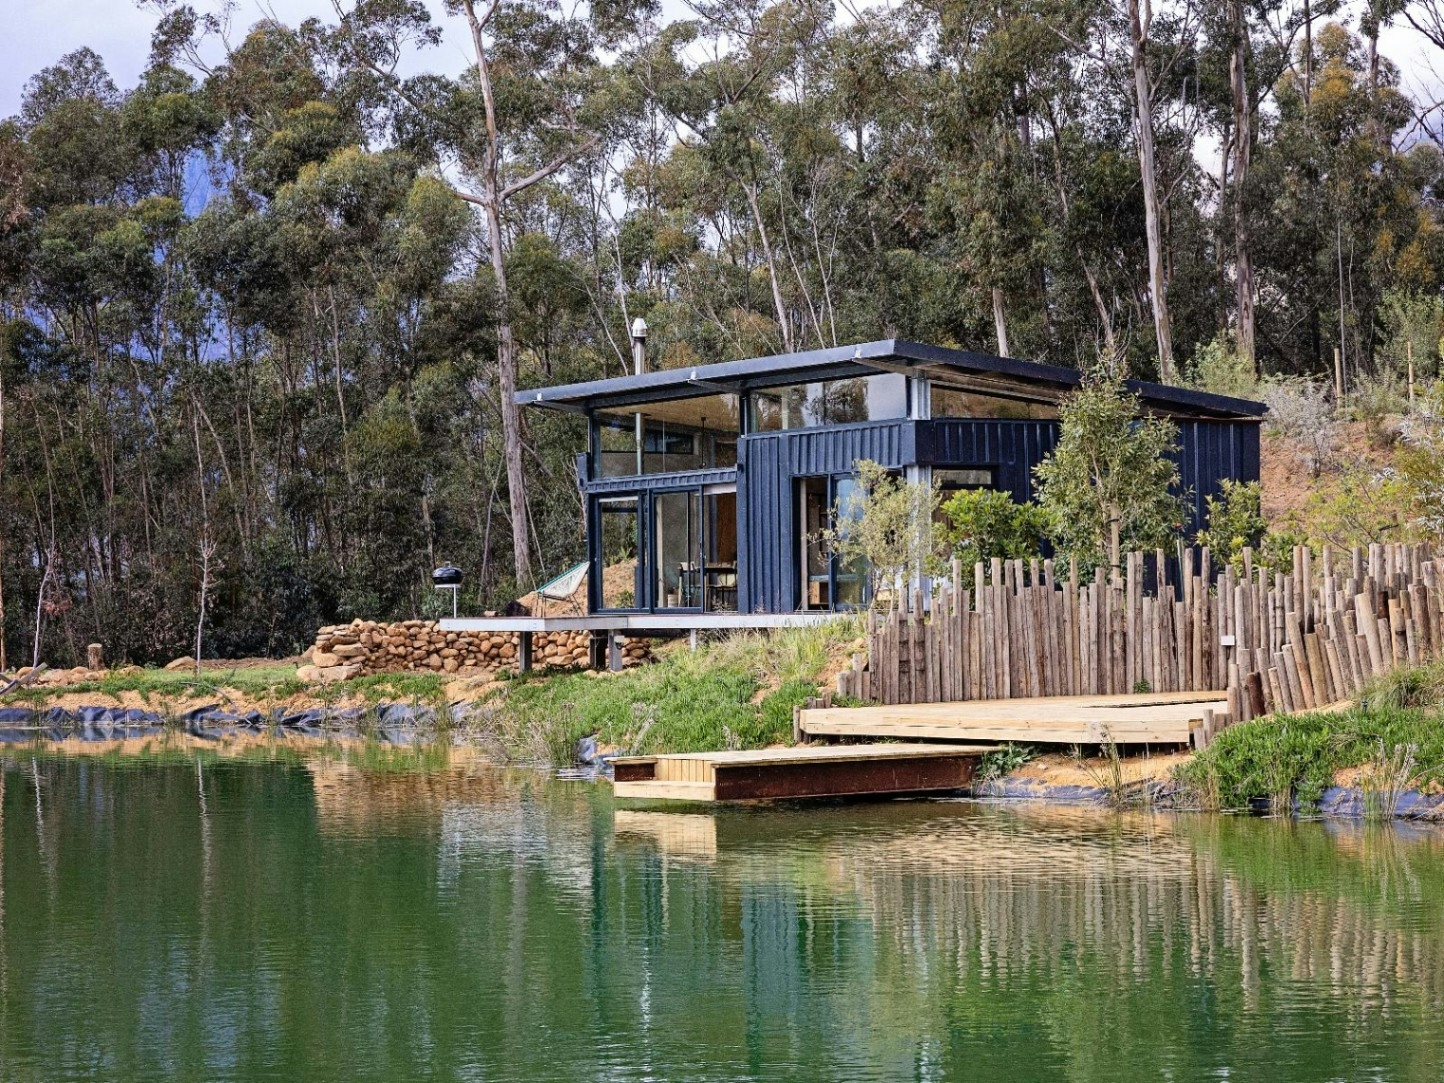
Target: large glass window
676, 541
957, 402
665, 437
622, 575
832, 402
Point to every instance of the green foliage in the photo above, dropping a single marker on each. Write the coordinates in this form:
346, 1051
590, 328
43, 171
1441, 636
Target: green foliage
1109, 486
709, 700
300, 359
1003, 761
984, 523
887, 525
1284, 759
1235, 521
1219, 369
1413, 326
1359, 507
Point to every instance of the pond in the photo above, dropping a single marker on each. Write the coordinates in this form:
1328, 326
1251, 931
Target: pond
322, 921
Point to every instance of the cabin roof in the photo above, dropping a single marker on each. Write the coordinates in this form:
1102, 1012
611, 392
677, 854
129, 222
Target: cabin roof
1005, 377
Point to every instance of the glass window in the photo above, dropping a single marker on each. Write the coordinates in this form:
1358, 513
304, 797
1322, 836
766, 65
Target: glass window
719, 569
970, 477
828, 581
682, 434
621, 569
956, 402
677, 543
833, 402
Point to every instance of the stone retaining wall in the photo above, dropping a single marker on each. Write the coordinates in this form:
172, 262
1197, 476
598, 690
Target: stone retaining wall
365, 647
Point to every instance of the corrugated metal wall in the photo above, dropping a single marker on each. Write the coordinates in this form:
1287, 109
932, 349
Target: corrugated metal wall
1209, 451
771, 463
1011, 448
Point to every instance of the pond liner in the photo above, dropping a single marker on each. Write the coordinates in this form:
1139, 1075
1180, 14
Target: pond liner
1347, 802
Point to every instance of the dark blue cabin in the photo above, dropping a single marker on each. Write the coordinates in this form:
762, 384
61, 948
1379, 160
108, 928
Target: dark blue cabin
705, 487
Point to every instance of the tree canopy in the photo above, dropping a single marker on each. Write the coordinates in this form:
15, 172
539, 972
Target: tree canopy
277, 293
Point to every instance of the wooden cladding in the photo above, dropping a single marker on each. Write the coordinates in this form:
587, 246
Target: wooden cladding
1281, 641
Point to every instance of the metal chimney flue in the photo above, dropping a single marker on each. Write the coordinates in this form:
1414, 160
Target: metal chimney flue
639, 345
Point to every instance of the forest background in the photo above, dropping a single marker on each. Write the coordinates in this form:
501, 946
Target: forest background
262, 311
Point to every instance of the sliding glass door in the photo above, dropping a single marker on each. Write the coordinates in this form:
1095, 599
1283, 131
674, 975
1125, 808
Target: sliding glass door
677, 549
674, 549
622, 572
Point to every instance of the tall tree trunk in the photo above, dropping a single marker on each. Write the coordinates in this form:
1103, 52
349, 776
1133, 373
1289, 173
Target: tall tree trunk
492, 196
1000, 322
1138, 24
3, 664
1308, 53
511, 435
784, 324
1242, 153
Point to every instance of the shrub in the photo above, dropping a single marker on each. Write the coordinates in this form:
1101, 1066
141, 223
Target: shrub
1359, 507
1218, 369
887, 524
1420, 462
1299, 410
1374, 400
1109, 485
1235, 520
985, 523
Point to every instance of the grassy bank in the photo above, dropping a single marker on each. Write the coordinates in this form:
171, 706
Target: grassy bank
1391, 742
733, 692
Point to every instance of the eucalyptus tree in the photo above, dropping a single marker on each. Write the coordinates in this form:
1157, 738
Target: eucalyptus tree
523, 112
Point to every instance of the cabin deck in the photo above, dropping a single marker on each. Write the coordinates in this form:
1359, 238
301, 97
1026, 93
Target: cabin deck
786, 773
1163, 718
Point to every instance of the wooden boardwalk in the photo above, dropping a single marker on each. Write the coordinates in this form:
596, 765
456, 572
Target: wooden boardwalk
1162, 718
787, 773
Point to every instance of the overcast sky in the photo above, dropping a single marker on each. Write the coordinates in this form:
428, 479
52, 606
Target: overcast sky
34, 35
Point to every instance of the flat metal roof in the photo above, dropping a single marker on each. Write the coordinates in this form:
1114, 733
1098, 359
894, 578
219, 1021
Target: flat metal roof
861, 359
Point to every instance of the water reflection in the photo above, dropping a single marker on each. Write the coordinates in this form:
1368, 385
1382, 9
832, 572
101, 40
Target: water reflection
354, 919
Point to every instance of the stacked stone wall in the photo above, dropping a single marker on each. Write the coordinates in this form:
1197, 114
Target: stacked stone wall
362, 648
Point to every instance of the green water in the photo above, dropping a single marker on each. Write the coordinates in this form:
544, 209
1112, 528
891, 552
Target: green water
275, 922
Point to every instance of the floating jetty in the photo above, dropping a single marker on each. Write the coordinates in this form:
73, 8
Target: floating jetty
776, 774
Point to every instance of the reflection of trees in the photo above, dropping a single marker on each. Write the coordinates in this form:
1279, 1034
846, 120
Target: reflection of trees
497, 924
1171, 945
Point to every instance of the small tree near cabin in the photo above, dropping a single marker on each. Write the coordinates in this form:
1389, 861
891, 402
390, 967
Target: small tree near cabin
887, 525
1109, 485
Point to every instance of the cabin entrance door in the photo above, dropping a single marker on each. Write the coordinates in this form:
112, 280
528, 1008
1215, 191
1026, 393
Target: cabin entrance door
622, 565
828, 582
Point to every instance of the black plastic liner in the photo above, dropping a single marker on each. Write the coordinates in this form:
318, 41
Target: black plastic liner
394, 723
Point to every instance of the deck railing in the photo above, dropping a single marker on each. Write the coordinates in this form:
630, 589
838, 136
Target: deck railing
1274, 640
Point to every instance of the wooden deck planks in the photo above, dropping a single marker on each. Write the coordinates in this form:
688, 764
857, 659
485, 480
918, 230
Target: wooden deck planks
1141, 718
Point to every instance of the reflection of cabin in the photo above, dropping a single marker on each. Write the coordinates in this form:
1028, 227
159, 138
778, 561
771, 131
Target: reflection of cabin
705, 487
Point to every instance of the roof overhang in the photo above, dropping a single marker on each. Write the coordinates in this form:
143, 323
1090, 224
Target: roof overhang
986, 373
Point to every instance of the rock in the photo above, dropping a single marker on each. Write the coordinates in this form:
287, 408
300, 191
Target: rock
323, 660
308, 673
339, 673
179, 664
348, 650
